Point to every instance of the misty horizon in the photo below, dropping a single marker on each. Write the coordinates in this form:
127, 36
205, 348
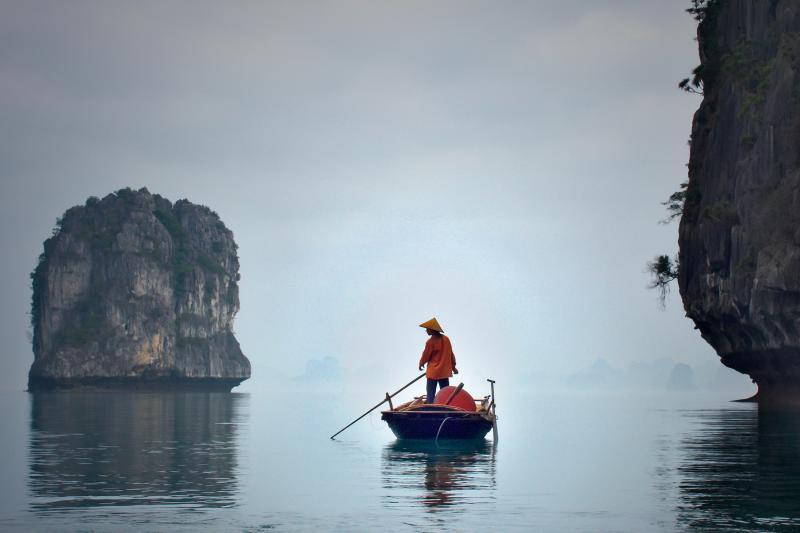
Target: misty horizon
365, 193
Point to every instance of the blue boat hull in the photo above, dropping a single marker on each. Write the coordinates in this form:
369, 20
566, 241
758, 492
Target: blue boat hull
432, 422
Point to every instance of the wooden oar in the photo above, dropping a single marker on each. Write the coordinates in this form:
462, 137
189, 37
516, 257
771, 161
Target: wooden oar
453, 394
381, 403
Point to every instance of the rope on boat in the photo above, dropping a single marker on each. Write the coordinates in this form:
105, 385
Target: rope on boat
436, 440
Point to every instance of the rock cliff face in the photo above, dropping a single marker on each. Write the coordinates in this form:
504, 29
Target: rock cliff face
740, 230
132, 290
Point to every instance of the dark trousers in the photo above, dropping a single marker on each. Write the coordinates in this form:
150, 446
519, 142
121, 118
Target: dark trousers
432, 387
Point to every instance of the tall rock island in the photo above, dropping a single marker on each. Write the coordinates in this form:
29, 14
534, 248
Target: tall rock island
134, 291
740, 230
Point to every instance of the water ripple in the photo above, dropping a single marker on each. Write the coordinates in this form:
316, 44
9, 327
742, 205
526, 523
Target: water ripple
438, 477
740, 471
131, 450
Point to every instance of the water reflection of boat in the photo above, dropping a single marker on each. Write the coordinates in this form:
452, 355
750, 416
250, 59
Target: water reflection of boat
131, 448
438, 476
741, 471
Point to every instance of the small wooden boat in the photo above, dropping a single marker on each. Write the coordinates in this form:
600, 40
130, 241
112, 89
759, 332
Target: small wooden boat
419, 420
454, 414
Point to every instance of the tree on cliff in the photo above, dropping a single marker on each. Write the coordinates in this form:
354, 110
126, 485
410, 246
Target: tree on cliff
702, 10
663, 269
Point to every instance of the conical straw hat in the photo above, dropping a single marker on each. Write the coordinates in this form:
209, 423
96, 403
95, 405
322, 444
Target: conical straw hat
432, 324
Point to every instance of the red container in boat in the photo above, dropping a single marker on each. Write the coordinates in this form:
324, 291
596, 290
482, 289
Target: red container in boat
462, 400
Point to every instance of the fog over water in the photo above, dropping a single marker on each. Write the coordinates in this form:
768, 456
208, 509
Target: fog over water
497, 165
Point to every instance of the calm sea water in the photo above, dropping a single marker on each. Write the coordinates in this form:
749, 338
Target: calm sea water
94, 461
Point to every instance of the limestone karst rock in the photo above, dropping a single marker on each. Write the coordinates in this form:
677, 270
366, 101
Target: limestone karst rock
132, 290
740, 230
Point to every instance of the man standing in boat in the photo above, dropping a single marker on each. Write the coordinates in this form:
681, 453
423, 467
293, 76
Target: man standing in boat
439, 357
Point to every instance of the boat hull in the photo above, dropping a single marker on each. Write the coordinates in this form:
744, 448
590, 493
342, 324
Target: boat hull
432, 423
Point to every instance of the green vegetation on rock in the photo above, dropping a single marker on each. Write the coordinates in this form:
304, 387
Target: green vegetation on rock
663, 271
706, 13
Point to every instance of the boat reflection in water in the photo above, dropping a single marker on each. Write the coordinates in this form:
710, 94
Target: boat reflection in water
441, 477
741, 471
132, 448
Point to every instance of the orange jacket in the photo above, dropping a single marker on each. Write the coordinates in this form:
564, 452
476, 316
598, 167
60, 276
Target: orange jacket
439, 356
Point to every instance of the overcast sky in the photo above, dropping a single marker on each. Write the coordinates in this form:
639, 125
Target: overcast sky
499, 165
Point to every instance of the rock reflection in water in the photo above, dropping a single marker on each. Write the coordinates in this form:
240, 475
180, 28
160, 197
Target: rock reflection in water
438, 476
741, 471
132, 448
